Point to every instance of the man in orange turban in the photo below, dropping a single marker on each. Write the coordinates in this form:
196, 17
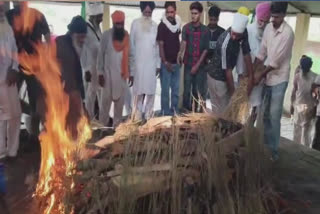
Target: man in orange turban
113, 68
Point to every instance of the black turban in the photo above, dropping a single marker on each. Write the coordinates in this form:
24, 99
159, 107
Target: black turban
306, 64
77, 25
279, 7
144, 4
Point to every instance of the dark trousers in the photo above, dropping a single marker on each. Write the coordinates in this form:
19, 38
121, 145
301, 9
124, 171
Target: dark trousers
316, 141
195, 90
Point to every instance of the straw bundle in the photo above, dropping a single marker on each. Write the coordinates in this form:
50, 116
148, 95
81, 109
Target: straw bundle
239, 107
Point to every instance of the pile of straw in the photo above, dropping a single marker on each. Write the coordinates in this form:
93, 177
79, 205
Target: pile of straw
239, 108
172, 165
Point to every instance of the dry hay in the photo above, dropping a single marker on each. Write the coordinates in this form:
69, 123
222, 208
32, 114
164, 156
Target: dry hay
172, 165
239, 107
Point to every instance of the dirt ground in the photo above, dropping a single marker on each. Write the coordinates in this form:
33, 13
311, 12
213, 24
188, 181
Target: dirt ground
297, 176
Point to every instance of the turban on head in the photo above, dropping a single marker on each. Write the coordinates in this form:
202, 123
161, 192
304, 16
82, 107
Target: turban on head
263, 11
144, 4
244, 11
118, 16
306, 64
279, 7
77, 25
240, 22
94, 8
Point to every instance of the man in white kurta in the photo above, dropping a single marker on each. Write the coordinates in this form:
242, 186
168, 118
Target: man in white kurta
144, 61
113, 69
89, 56
255, 33
10, 110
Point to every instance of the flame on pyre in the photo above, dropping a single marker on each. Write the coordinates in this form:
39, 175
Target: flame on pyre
59, 149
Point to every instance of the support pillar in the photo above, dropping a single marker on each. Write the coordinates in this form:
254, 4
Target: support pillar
106, 18
301, 37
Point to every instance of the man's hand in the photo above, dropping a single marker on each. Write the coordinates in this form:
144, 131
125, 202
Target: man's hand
250, 86
291, 109
179, 59
101, 80
158, 73
87, 76
131, 80
168, 66
194, 69
12, 77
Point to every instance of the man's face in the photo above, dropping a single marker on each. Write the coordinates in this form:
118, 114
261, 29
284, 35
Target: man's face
236, 36
99, 18
2, 13
277, 19
213, 21
262, 23
147, 12
195, 16
79, 38
170, 13
118, 31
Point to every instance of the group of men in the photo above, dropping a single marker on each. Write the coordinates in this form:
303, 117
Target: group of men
98, 68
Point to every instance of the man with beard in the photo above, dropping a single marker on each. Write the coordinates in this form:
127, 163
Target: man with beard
193, 51
89, 58
144, 61
69, 50
10, 110
215, 30
168, 37
220, 81
255, 33
19, 18
276, 46
113, 68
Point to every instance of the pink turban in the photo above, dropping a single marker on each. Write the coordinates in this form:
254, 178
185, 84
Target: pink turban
263, 11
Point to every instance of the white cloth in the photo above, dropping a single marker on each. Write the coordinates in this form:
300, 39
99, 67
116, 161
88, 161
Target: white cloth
109, 65
304, 134
128, 101
255, 39
9, 97
89, 62
317, 81
276, 48
239, 23
144, 57
173, 28
219, 95
94, 8
143, 103
9, 137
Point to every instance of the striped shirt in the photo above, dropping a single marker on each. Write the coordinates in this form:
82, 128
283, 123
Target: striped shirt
226, 54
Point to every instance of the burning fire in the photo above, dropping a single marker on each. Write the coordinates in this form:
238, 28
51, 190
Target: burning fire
58, 148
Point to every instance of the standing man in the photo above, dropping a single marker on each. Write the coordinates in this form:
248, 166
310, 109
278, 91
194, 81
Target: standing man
276, 46
193, 51
26, 37
303, 104
144, 61
168, 37
215, 30
89, 58
10, 110
220, 78
69, 50
113, 68
255, 33
316, 93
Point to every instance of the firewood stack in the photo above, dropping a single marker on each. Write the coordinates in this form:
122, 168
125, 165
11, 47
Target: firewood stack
169, 165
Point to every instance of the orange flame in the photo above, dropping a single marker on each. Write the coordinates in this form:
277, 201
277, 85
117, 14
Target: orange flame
57, 144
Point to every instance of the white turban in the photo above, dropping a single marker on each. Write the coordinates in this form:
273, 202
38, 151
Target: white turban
240, 22
94, 8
